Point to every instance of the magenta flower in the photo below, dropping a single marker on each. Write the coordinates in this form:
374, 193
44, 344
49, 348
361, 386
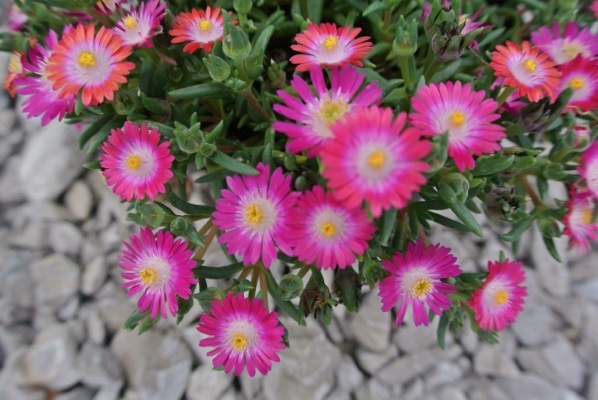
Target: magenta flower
327, 45
40, 98
326, 233
139, 27
580, 224
16, 18
201, 28
243, 334
254, 215
464, 114
581, 74
589, 167
135, 163
415, 280
314, 115
158, 267
499, 300
566, 46
372, 158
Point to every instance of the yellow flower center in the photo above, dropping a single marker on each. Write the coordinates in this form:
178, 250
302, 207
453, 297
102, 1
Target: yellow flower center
332, 110
586, 216
130, 22
576, 83
421, 287
328, 229
239, 341
530, 65
457, 118
14, 64
254, 214
204, 25
133, 162
501, 297
87, 59
572, 50
377, 159
148, 275
330, 43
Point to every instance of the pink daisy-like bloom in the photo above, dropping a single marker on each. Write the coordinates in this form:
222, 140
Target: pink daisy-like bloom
464, 114
243, 334
525, 68
567, 46
254, 214
326, 233
416, 280
40, 97
315, 114
328, 45
158, 267
200, 28
135, 162
138, 27
579, 221
90, 63
589, 167
581, 74
16, 18
372, 158
499, 300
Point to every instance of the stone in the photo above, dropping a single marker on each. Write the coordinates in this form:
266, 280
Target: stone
531, 387
280, 385
593, 386
16, 288
461, 246
50, 161
374, 390
34, 236
443, 373
496, 360
553, 275
51, 360
94, 325
99, 367
114, 313
482, 389
411, 338
94, 275
348, 376
556, 362
79, 200
371, 327
373, 362
11, 374
339, 394
65, 238
11, 187
452, 393
55, 279
76, 394
157, 365
69, 310
207, 384
588, 346
535, 325
588, 289
8, 118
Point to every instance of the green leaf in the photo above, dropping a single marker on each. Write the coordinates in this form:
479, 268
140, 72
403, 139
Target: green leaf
92, 130
98, 139
92, 165
155, 105
549, 242
184, 307
228, 271
490, 165
290, 286
232, 164
518, 229
204, 91
214, 176
388, 222
441, 332
449, 223
460, 210
193, 209
284, 305
374, 7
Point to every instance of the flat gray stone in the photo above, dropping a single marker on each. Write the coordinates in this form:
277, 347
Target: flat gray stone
94, 275
371, 327
65, 238
535, 324
79, 200
99, 367
531, 387
55, 279
553, 275
207, 384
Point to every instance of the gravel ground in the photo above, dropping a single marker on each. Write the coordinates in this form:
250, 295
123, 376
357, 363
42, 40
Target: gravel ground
62, 308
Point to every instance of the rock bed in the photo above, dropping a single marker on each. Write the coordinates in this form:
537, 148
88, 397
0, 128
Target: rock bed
62, 309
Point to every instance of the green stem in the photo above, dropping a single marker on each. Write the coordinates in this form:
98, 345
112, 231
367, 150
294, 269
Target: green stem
255, 104
407, 65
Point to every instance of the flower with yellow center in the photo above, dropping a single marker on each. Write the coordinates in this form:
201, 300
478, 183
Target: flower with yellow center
86, 59
586, 216
572, 50
576, 83
457, 118
328, 229
204, 25
239, 341
377, 159
130, 22
14, 63
254, 214
501, 297
332, 110
421, 288
148, 275
530, 65
133, 162
330, 43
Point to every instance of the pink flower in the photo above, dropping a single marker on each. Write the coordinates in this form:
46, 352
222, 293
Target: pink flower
372, 158
109, 7
499, 300
415, 280
525, 68
326, 233
90, 63
316, 114
594, 8
243, 334
254, 213
16, 18
581, 74
580, 224
138, 27
589, 167
464, 114
40, 97
135, 163
158, 267
200, 28
326, 45
15, 71
567, 46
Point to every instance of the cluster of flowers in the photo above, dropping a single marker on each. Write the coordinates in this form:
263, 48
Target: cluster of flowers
371, 162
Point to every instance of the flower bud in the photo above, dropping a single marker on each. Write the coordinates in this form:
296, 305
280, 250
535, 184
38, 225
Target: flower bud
503, 204
405, 41
179, 226
458, 183
290, 286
